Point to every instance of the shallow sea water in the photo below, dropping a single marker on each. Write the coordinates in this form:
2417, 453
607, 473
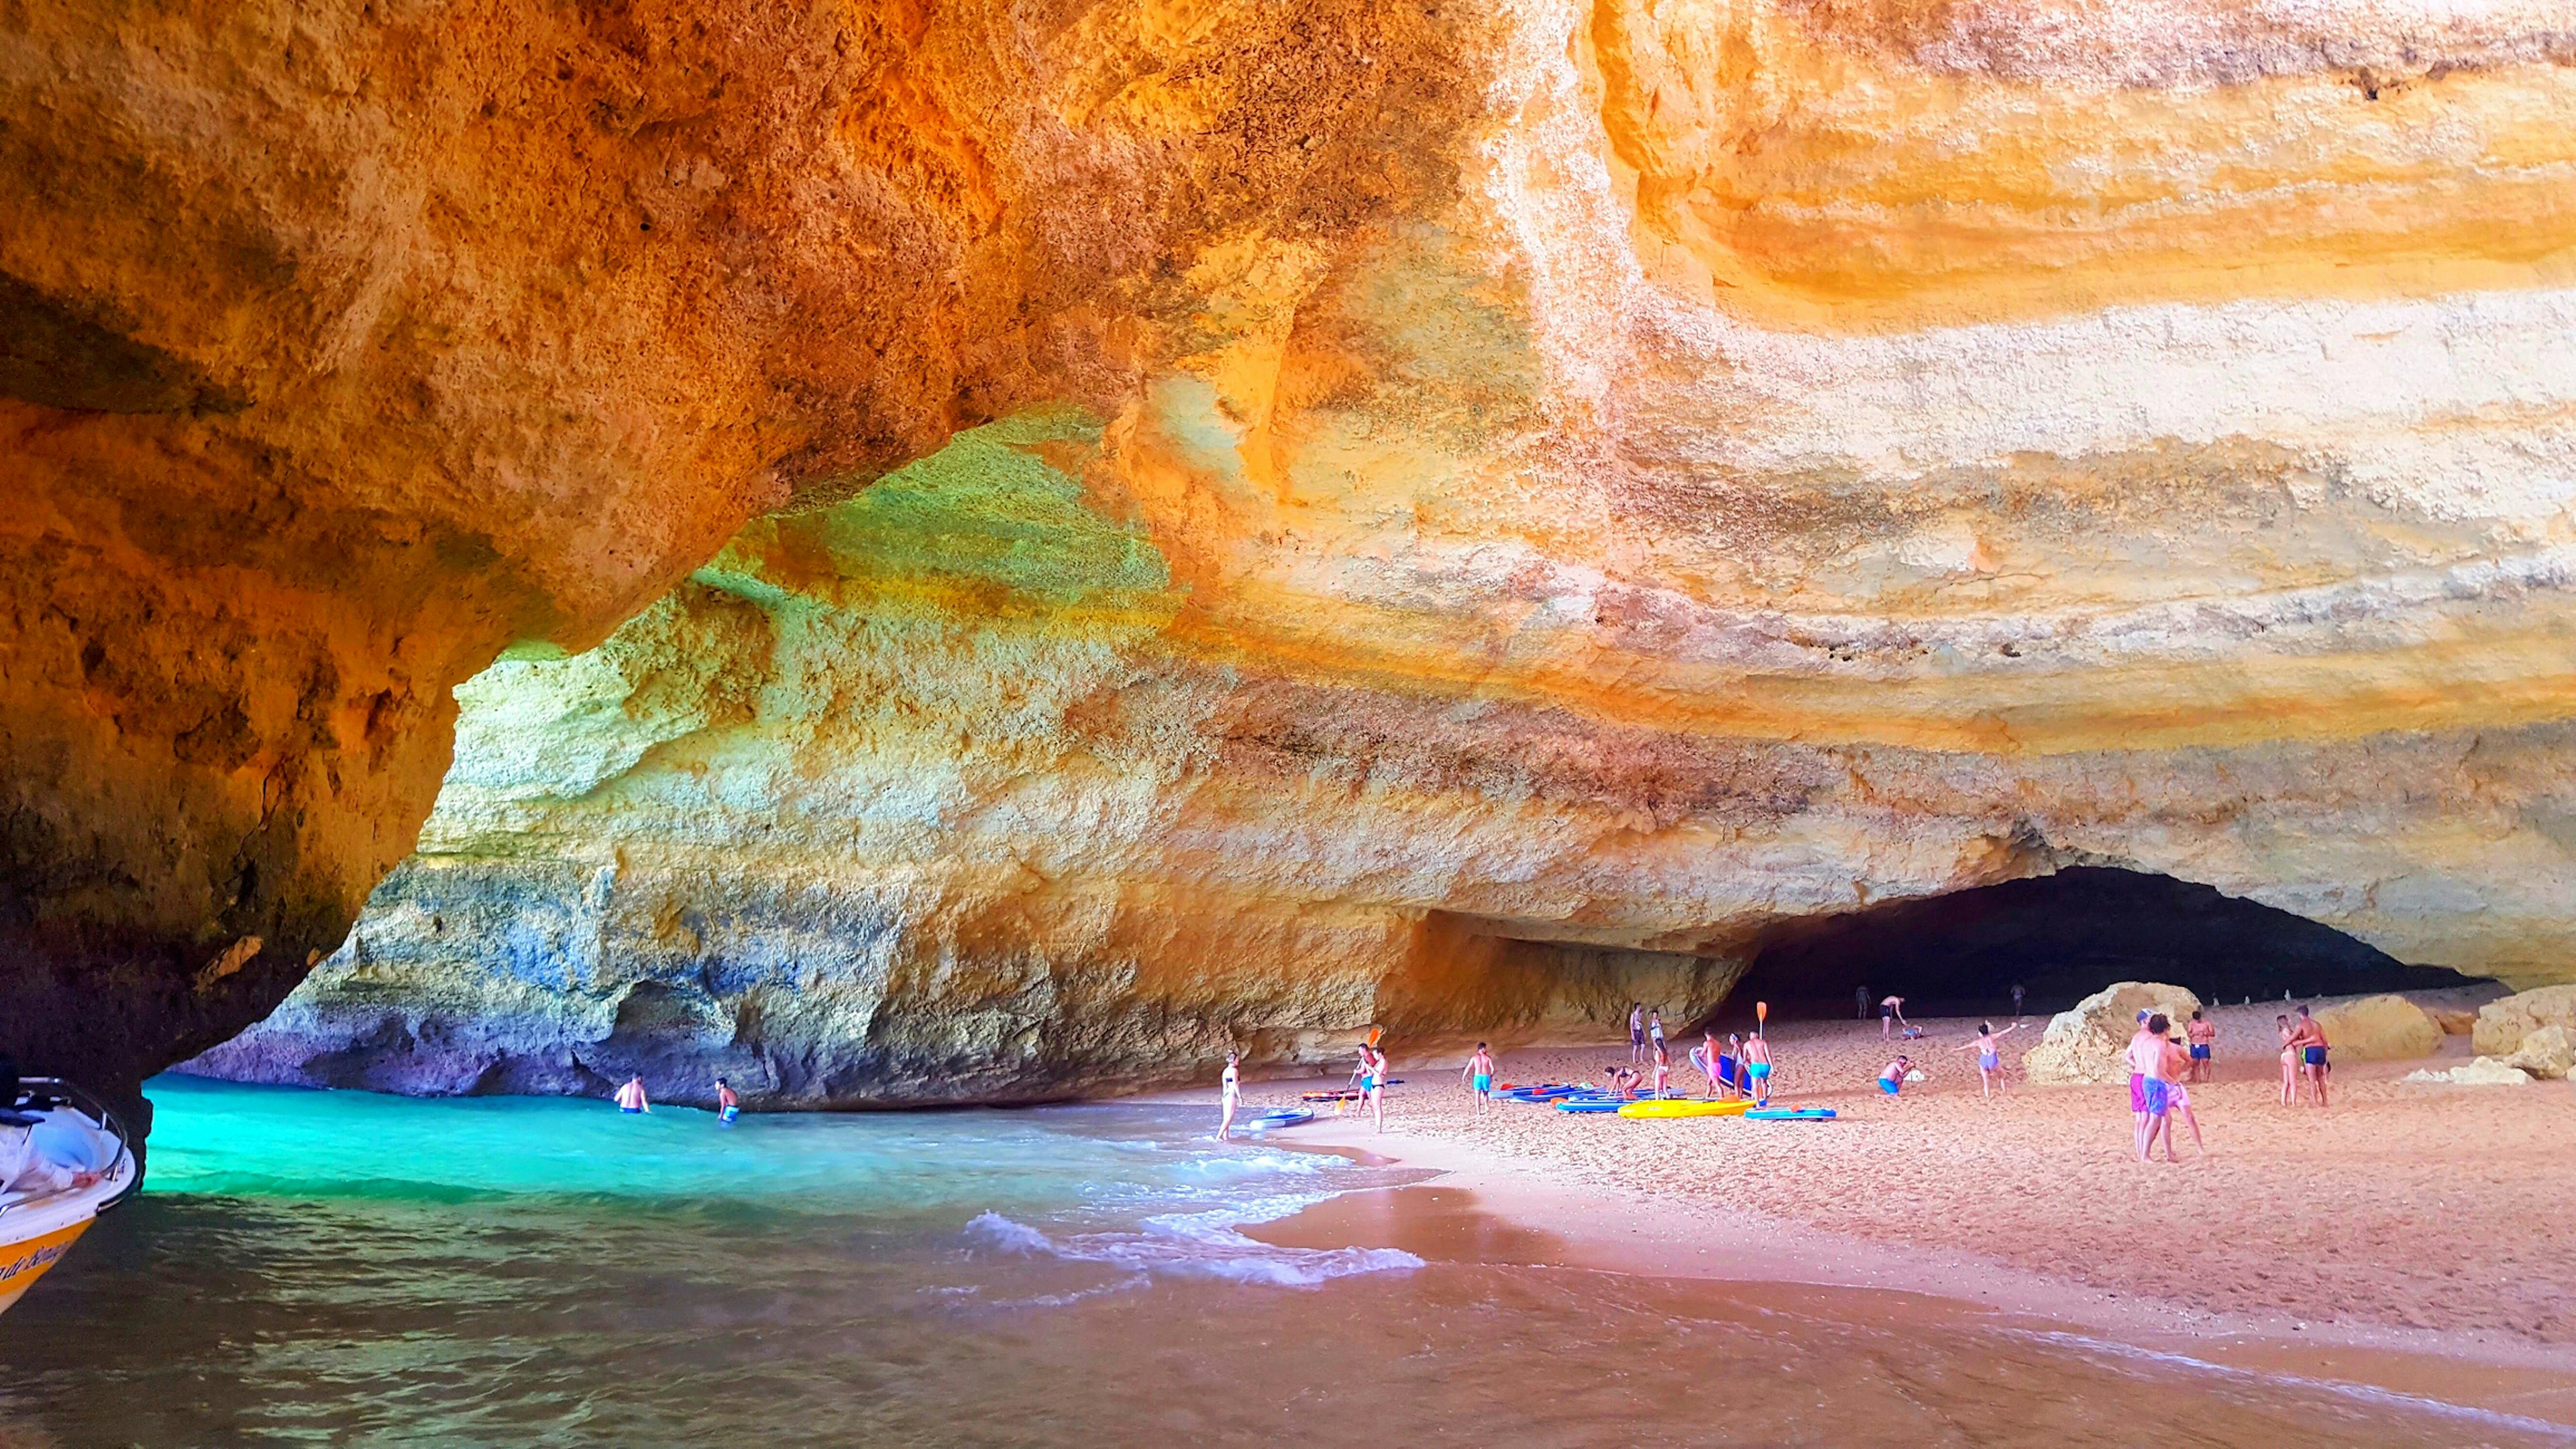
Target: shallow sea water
342, 1268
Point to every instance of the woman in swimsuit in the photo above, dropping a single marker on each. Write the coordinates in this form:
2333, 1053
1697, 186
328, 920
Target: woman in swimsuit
1231, 1086
1373, 1086
1990, 1060
2289, 1063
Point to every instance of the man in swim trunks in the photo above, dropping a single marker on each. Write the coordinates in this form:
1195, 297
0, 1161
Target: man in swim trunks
1860, 1002
2146, 1055
1637, 1034
1479, 1073
2310, 1038
1990, 1059
1757, 1068
1890, 1012
2203, 1035
1229, 1091
630, 1098
728, 1105
1891, 1078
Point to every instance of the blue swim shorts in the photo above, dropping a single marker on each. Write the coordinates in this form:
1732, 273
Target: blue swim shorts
2200, 1051
2159, 1096
1887, 1086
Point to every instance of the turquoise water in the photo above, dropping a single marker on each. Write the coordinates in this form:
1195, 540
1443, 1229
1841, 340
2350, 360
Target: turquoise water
343, 1268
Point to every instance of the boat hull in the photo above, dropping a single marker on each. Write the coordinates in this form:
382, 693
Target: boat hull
22, 1263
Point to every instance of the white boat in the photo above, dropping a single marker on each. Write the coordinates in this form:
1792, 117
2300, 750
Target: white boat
76, 1132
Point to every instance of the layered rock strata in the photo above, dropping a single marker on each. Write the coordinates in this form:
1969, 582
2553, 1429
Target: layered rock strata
1610, 477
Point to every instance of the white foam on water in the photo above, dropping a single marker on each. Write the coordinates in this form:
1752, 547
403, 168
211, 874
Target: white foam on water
2360, 1393
1197, 1245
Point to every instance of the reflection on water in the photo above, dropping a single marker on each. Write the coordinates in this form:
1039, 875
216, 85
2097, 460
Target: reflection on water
548, 1273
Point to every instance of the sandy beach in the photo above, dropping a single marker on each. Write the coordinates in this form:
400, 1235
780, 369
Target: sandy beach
2404, 1219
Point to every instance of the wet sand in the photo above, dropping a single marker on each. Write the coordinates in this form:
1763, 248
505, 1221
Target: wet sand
2402, 1222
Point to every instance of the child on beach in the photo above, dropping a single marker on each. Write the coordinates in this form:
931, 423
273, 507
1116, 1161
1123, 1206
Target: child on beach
1757, 1068
2178, 1100
1230, 1091
1479, 1073
1990, 1060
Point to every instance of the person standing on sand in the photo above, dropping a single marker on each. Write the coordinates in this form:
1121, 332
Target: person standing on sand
1713, 1063
1860, 1002
2178, 1099
2311, 1041
2146, 1056
1990, 1059
2289, 1063
2017, 994
1655, 1029
1890, 1012
1479, 1073
1663, 1072
1230, 1091
1637, 1034
728, 1104
1373, 1087
1757, 1068
630, 1098
2204, 1037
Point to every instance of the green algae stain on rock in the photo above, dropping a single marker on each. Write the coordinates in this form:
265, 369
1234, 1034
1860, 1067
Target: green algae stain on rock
996, 524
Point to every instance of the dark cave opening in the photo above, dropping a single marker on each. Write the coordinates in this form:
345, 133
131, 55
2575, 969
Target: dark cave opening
2063, 937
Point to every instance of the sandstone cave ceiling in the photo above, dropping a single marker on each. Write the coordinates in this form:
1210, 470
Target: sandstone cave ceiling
1367, 481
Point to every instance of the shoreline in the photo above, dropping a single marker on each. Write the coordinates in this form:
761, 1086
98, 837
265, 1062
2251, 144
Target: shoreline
1942, 1175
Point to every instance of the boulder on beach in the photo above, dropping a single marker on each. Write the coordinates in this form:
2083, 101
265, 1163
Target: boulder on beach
2502, 1024
2549, 1052
2380, 1029
2484, 1072
2085, 1044
2453, 1022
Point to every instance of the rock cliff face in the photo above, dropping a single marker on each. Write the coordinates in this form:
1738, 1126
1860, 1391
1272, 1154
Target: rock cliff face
1451, 496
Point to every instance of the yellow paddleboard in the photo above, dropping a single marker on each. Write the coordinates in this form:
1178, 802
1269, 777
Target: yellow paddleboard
1683, 1107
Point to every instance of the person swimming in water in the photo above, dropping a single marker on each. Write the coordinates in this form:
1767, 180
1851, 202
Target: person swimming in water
1990, 1060
728, 1105
1479, 1073
630, 1098
1230, 1090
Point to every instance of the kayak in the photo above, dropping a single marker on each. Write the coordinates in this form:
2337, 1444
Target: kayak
1590, 1104
1791, 1114
1278, 1117
1684, 1107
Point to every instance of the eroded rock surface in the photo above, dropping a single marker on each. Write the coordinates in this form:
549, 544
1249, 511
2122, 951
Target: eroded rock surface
1605, 478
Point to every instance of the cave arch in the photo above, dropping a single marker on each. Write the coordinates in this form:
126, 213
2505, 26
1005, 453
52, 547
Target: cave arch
2063, 936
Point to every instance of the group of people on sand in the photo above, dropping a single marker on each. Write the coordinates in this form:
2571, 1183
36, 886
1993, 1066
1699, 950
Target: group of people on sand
2161, 1067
